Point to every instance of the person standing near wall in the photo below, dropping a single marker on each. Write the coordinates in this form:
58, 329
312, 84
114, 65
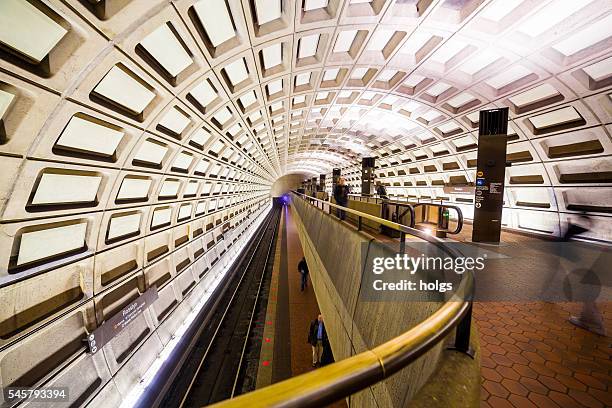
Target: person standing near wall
317, 336
381, 191
303, 270
341, 192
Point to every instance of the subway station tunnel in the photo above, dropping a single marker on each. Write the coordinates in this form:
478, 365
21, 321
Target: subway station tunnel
165, 165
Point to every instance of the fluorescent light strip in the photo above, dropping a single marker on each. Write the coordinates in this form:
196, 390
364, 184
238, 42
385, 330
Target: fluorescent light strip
139, 389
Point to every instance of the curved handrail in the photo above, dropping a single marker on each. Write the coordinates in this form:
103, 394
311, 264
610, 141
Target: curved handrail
340, 379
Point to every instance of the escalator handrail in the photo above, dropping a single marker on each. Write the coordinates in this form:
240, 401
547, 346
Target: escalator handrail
393, 225
413, 205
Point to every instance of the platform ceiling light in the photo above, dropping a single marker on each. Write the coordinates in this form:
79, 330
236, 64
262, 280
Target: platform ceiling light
551, 15
499, 9
271, 100
17, 18
267, 10
345, 40
508, 76
303, 78
166, 49
331, 74
216, 20
308, 45
310, 5
380, 39
237, 71
272, 56
587, 37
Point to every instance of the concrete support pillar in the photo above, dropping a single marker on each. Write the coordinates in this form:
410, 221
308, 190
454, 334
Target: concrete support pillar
367, 175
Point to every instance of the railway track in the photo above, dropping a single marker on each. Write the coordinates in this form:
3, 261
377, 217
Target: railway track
217, 367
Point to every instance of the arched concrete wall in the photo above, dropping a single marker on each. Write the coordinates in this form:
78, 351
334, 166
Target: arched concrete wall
286, 183
133, 133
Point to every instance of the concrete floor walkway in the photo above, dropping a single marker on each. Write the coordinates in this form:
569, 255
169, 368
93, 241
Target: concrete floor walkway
285, 351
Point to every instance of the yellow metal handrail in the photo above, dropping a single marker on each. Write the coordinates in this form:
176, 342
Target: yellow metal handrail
340, 379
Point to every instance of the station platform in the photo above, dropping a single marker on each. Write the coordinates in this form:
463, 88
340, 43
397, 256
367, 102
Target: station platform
285, 352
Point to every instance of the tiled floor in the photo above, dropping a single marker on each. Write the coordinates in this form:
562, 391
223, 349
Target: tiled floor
533, 357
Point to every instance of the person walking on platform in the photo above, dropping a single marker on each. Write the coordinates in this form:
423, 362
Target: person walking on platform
317, 336
303, 270
341, 192
584, 284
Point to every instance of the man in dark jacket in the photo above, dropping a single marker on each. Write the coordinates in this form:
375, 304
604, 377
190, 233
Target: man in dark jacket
303, 269
381, 191
317, 337
341, 192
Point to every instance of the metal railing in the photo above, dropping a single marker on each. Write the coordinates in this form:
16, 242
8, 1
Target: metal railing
343, 378
410, 208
